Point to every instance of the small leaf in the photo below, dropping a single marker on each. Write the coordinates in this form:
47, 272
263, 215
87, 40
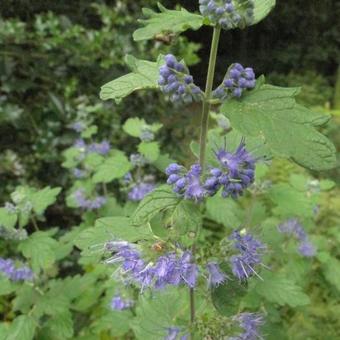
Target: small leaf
114, 167
145, 75
161, 199
40, 249
262, 9
281, 290
271, 113
7, 218
134, 126
23, 328
61, 325
150, 150
43, 199
6, 286
167, 21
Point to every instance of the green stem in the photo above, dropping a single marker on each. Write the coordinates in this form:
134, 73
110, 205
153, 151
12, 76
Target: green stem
35, 224
204, 133
207, 97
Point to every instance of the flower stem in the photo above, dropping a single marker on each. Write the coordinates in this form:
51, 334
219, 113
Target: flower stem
204, 134
207, 96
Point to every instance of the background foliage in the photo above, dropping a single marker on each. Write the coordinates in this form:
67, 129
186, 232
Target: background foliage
54, 56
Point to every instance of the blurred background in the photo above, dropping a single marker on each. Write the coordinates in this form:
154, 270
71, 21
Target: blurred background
55, 56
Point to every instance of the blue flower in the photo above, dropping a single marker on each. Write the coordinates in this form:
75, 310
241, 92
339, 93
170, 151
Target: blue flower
83, 202
176, 82
307, 249
8, 268
250, 323
118, 303
216, 276
140, 190
250, 255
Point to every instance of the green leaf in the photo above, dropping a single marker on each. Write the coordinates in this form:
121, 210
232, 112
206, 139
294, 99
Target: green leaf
144, 75
61, 325
110, 228
135, 126
114, 167
281, 290
271, 113
156, 313
150, 150
167, 21
331, 270
223, 211
7, 218
40, 249
226, 298
89, 132
262, 9
290, 202
6, 286
161, 199
23, 328
117, 322
43, 198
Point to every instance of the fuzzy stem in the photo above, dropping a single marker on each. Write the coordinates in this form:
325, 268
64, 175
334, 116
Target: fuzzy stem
204, 133
207, 96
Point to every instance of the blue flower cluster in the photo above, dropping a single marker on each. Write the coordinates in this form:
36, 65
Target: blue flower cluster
140, 190
237, 80
118, 303
250, 323
216, 276
169, 269
174, 334
176, 82
186, 183
294, 228
228, 13
250, 254
235, 175
8, 268
86, 203
102, 148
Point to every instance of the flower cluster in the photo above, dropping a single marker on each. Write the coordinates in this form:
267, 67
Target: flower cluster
140, 190
102, 148
250, 323
118, 303
8, 268
186, 183
237, 80
169, 269
237, 172
86, 203
176, 82
147, 135
13, 234
173, 333
216, 276
294, 228
235, 175
249, 255
228, 13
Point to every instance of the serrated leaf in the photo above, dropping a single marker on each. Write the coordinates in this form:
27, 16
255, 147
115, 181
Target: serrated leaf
7, 218
167, 21
144, 75
6, 286
44, 198
161, 199
23, 328
61, 325
150, 150
223, 211
331, 270
133, 126
281, 290
110, 228
262, 9
40, 249
114, 167
271, 113
156, 313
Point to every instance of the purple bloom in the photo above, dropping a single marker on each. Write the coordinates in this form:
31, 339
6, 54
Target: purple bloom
250, 255
102, 148
8, 268
118, 303
88, 204
78, 126
176, 82
80, 144
216, 276
139, 191
307, 249
78, 173
250, 323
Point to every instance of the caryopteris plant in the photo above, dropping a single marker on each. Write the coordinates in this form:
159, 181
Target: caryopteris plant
194, 281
